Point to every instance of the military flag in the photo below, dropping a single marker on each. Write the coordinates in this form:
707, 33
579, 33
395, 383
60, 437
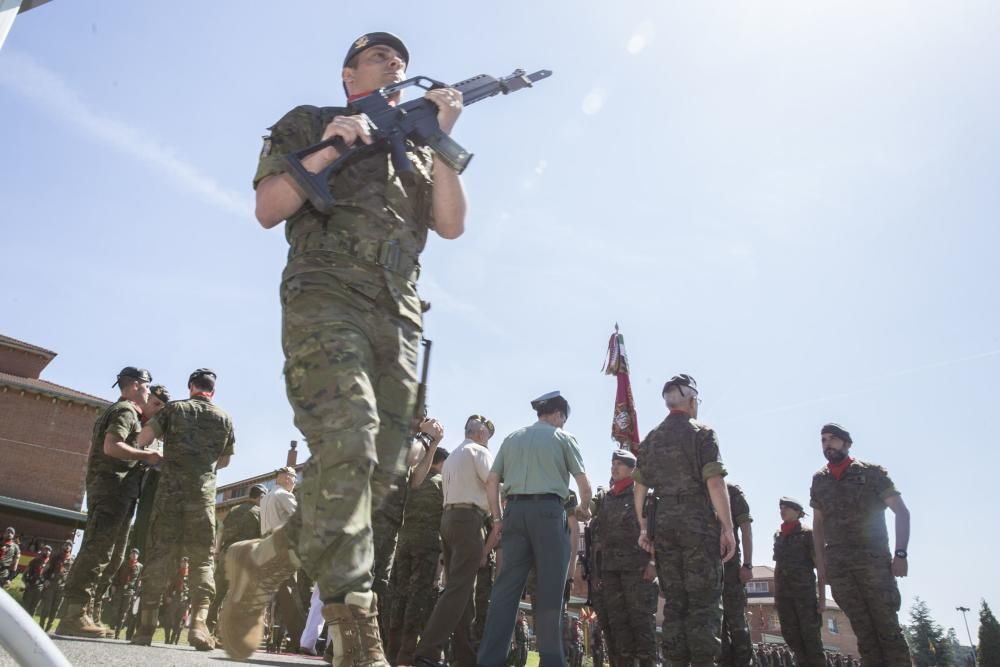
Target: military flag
624, 425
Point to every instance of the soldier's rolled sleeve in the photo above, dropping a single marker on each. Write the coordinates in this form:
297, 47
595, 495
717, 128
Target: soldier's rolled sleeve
883, 485
574, 459
230, 444
294, 131
158, 423
121, 424
741, 509
711, 461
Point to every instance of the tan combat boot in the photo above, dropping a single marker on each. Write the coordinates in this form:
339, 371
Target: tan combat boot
353, 631
147, 626
254, 570
96, 611
75, 622
198, 634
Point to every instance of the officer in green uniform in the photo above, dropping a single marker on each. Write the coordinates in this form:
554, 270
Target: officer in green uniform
737, 649
242, 523
198, 440
795, 587
351, 329
112, 487
849, 498
624, 574
417, 556
693, 531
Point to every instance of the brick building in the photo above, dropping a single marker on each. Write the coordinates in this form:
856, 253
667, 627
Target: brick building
44, 440
762, 616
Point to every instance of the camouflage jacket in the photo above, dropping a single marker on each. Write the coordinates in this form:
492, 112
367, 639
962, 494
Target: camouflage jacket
422, 518
615, 534
10, 554
121, 420
740, 509
374, 206
57, 572
242, 523
33, 576
794, 569
196, 433
854, 506
127, 577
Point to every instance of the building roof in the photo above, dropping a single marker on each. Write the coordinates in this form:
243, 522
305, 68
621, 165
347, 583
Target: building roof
46, 388
763, 572
60, 514
7, 341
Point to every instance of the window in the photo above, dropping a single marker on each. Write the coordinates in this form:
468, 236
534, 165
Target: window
831, 625
757, 588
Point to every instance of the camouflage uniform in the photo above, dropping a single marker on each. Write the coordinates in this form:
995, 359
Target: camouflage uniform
626, 602
112, 488
737, 649
386, 521
33, 583
795, 596
351, 328
175, 604
858, 561
55, 577
675, 460
10, 554
124, 589
417, 557
196, 434
242, 523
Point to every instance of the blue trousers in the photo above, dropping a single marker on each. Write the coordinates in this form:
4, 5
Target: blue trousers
535, 536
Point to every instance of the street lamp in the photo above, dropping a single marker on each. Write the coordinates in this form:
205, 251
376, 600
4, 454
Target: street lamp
963, 610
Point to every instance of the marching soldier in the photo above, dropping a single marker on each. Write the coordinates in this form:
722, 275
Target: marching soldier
693, 530
624, 574
737, 649
54, 582
124, 588
795, 587
849, 498
175, 603
34, 580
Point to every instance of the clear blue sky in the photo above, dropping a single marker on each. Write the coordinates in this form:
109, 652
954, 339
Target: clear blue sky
794, 202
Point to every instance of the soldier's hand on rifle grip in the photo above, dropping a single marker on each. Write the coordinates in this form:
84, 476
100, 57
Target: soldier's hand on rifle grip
350, 129
449, 104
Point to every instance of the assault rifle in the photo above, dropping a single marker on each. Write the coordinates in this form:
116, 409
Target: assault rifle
392, 126
420, 411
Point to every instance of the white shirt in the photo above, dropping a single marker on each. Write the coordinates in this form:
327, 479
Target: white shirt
464, 475
275, 509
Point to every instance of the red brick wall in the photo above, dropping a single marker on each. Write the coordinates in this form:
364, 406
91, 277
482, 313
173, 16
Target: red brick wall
20, 363
43, 448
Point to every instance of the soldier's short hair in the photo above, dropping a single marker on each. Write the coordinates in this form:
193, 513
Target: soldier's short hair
440, 454
203, 379
256, 491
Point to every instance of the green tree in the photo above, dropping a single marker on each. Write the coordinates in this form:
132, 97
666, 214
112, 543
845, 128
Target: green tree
926, 638
989, 637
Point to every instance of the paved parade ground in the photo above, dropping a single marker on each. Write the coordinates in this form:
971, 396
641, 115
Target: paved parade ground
114, 653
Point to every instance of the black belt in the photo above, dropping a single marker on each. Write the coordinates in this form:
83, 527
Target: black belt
534, 496
682, 499
386, 254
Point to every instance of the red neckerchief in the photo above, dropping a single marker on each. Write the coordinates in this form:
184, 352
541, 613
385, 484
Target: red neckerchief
207, 395
838, 469
619, 487
40, 567
358, 96
789, 527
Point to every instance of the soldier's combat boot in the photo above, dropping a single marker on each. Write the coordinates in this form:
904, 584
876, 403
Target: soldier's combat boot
198, 634
254, 569
143, 635
353, 629
75, 622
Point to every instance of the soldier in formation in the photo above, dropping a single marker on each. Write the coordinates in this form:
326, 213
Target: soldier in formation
795, 586
624, 588
692, 532
176, 601
55, 576
198, 440
124, 588
737, 649
849, 498
10, 555
34, 580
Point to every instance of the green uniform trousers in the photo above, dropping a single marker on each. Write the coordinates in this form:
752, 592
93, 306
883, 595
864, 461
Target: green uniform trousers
801, 626
737, 649
628, 603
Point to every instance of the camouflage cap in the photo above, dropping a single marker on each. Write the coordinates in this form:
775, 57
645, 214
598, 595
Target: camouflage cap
836, 430
791, 502
625, 456
160, 392
133, 373
371, 39
682, 380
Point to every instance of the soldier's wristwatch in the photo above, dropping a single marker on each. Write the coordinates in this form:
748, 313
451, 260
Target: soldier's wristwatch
748, 566
900, 553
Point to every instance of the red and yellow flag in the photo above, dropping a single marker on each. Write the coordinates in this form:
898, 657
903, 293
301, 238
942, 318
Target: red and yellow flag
624, 424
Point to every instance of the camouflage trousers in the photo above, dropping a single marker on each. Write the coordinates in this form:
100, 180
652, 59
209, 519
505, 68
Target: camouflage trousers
384, 533
144, 512
737, 649
109, 512
413, 598
864, 588
690, 571
628, 603
484, 588
801, 626
117, 558
48, 608
350, 375
183, 524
